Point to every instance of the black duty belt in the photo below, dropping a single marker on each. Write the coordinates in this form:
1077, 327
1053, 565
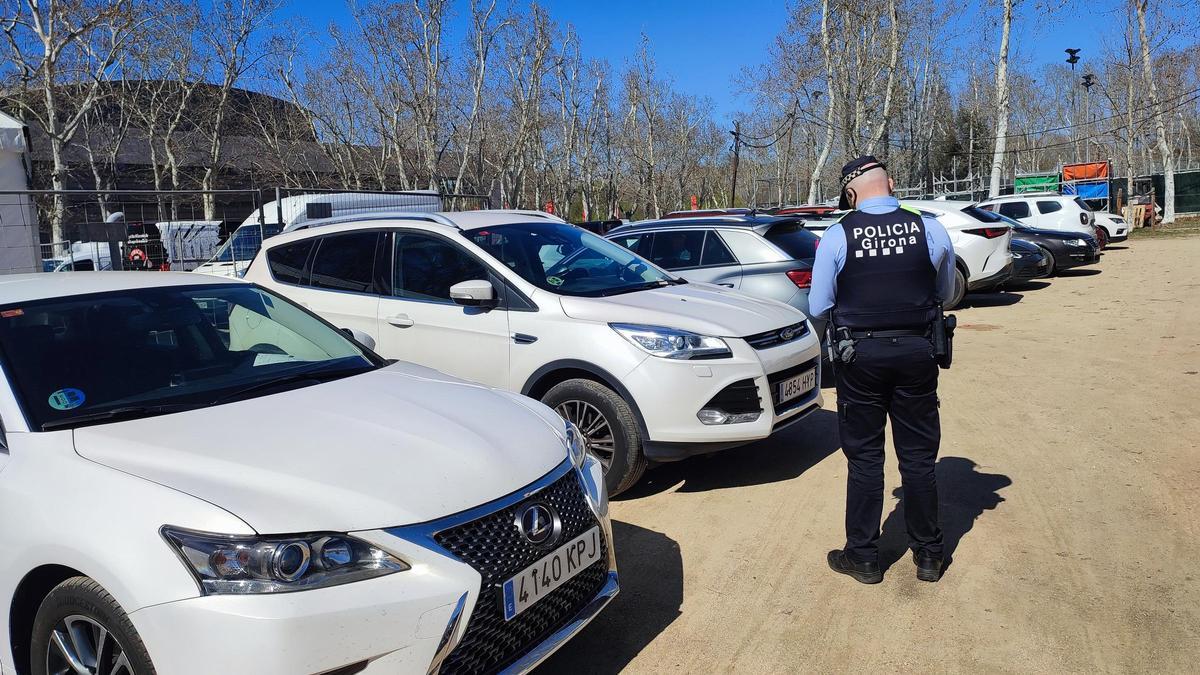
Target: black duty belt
901, 332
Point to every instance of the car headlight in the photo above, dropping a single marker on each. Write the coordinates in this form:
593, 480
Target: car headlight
670, 343
226, 564
1076, 242
576, 445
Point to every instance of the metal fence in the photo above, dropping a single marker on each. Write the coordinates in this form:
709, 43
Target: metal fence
75, 230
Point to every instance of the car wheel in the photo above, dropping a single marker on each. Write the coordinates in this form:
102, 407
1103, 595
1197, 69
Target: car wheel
1102, 237
1050, 257
80, 628
960, 289
609, 428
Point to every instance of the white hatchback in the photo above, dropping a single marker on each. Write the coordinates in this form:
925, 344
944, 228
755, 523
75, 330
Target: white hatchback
198, 476
647, 365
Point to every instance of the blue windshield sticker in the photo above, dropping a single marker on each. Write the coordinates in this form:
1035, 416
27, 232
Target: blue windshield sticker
66, 399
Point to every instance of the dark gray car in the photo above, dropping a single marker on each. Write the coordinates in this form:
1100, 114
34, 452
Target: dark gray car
760, 255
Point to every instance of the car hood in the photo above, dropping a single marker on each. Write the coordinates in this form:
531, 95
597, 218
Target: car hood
700, 308
400, 445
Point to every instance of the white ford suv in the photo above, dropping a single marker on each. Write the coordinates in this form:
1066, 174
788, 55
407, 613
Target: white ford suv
198, 476
647, 365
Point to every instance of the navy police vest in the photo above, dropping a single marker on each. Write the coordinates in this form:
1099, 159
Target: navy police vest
888, 280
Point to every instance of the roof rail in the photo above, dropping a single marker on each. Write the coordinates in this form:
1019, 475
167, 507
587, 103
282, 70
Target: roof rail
378, 215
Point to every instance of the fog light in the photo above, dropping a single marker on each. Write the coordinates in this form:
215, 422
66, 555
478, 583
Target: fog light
713, 417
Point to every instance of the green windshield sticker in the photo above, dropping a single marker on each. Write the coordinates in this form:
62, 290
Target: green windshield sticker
554, 281
66, 399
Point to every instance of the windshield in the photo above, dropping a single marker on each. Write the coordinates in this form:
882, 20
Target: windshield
244, 243
568, 260
81, 357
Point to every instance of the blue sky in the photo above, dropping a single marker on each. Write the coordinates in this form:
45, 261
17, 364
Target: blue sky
703, 45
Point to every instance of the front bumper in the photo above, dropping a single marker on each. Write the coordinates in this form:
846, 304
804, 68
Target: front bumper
1028, 271
670, 393
1077, 257
405, 622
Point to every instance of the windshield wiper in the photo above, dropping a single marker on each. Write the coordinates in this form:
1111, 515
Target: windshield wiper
661, 283
123, 413
306, 376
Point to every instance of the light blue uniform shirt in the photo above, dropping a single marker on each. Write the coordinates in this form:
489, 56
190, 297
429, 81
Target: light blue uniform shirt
831, 257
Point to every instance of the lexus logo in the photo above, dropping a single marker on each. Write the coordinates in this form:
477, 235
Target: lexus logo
787, 333
540, 525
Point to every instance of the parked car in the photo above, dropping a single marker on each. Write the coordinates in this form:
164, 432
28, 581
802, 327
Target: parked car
1047, 211
199, 476
1029, 261
1066, 249
983, 261
298, 211
1114, 226
649, 366
803, 210
695, 213
761, 255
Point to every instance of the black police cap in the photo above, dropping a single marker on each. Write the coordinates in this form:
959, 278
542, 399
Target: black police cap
853, 169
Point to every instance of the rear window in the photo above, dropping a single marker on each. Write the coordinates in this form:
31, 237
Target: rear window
796, 241
677, 249
1082, 204
981, 213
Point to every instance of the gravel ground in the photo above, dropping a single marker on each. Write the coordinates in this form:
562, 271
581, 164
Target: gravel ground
1069, 478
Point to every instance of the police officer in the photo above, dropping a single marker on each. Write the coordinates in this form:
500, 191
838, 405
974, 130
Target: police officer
882, 273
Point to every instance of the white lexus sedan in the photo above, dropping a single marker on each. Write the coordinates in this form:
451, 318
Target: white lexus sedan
198, 476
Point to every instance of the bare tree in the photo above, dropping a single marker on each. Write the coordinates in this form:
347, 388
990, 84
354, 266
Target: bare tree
1001, 101
1160, 127
64, 50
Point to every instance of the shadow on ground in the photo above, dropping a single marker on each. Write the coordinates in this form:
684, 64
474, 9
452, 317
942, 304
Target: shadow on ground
1079, 272
989, 299
1026, 285
1110, 247
783, 456
964, 495
651, 570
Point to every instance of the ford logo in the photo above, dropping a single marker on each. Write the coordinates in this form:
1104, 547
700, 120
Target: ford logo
539, 524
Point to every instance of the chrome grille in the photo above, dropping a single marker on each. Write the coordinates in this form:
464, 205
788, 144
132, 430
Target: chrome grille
774, 338
494, 547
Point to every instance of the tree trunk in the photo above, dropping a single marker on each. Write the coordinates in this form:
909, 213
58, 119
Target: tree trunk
1160, 127
1001, 103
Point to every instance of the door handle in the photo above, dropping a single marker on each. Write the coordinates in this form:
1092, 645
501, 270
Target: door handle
401, 321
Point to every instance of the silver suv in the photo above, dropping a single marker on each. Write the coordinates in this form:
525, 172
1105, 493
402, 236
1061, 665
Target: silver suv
760, 255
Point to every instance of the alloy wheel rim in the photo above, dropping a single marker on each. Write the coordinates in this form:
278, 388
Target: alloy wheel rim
593, 425
80, 645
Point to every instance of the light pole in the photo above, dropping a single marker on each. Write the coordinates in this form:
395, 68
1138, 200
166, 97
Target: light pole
1088, 80
1073, 58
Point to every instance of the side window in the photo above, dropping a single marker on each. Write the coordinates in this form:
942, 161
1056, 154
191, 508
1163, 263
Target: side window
1014, 209
749, 248
426, 267
1048, 207
715, 251
345, 262
85, 265
677, 249
287, 262
638, 243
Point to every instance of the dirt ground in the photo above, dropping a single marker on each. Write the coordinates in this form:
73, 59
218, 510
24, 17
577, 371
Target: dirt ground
1070, 486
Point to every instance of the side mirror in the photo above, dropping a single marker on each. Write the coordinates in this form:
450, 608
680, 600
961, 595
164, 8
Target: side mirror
473, 293
360, 337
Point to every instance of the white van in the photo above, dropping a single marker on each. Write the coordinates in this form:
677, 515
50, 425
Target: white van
293, 213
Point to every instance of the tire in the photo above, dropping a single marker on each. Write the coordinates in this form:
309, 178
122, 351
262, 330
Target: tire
84, 606
1049, 256
620, 450
960, 289
1102, 237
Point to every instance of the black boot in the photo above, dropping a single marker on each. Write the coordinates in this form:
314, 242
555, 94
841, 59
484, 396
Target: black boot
929, 568
864, 572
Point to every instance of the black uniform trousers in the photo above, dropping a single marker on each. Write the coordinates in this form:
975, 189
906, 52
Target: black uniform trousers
894, 377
